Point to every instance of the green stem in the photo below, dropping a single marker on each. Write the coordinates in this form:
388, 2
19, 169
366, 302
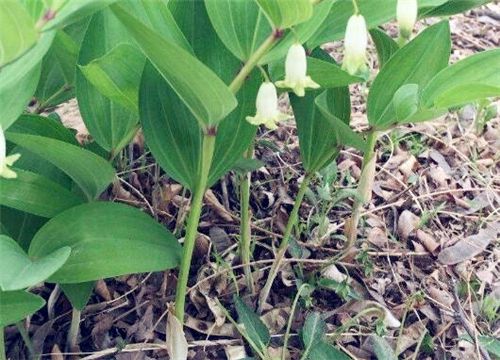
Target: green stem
192, 224
3, 355
253, 60
74, 328
356, 7
292, 221
290, 320
26, 339
245, 229
364, 189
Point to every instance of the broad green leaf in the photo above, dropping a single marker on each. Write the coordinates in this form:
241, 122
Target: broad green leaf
43, 126
117, 74
206, 96
382, 349
111, 124
252, 325
240, 24
317, 136
58, 72
74, 10
416, 63
322, 69
283, 14
36, 194
171, 131
18, 31
20, 226
106, 240
491, 344
325, 351
91, 172
301, 33
16, 305
406, 102
313, 331
234, 134
385, 45
473, 78
18, 81
335, 107
18, 271
78, 294
452, 7
376, 12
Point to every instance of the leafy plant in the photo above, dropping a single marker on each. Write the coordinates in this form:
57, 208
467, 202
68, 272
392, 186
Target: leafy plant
198, 78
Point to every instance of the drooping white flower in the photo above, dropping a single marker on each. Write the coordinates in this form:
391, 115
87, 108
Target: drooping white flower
355, 44
406, 13
6, 161
296, 77
267, 107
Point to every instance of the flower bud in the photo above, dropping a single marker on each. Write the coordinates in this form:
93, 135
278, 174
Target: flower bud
296, 71
406, 13
267, 107
355, 44
6, 161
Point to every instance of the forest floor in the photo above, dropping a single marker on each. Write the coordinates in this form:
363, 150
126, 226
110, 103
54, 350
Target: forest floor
427, 249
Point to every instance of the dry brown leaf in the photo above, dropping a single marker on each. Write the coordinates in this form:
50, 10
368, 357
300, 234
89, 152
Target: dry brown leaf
332, 272
408, 165
234, 352
378, 237
407, 222
56, 353
427, 240
177, 345
215, 204
470, 246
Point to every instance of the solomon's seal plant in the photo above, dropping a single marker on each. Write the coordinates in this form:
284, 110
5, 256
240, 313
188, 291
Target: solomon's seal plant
195, 80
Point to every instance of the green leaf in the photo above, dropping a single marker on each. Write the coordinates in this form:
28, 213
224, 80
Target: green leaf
252, 325
18, 271
452, 7
382, 349
283, 14
322, 69
78, 294
206, 96
19, 80
43, 126
18, 31
376, 12
58, 72
240, 24
406, 101
325, 351
20, 226
471, 79
491, 344
106, 240
317, 136
74, 10
111, 124
385, 45
313, 331
416, 63
36, 194
301, 33
91, 172
335, 107
117, 74
16, 305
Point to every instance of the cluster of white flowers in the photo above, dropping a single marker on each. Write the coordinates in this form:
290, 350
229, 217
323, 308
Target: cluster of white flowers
6, 161
355, 63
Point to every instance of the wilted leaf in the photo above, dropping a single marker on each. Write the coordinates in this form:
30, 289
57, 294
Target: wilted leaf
177, 345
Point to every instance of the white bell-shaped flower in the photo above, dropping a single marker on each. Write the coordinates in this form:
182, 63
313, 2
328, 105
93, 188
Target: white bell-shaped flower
296, 71
355, 44
267, 113
6, 161
406, 13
